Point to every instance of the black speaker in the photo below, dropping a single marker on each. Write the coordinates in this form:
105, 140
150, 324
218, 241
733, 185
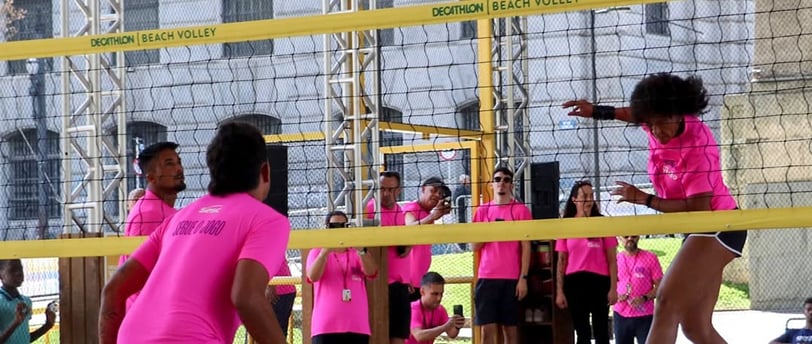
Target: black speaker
544, 184
278, 196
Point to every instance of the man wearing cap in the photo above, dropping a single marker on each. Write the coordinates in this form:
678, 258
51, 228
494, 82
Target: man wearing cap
433, 203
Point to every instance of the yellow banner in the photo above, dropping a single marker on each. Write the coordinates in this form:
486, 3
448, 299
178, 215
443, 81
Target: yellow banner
299, 26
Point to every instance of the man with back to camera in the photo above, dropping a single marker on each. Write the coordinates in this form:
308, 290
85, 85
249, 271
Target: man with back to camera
397, 256
503, 266
431, 206
798, 335
206, 269
429, 318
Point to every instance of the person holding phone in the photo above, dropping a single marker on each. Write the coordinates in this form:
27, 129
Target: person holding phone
431, 206
429, 317
503, 266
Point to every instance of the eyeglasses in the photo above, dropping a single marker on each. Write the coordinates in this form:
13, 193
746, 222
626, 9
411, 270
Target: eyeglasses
337, 225
506, 180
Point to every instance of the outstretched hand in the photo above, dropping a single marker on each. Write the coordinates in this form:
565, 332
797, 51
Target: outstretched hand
581, 108
629, 193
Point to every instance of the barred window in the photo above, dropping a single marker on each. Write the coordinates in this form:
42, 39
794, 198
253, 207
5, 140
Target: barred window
467, 118
37, 24
657, 19
245, 10
141, 15
386, 37
21, 152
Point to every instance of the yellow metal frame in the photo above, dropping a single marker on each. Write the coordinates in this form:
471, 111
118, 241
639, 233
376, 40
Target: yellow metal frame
294, 27
693, 222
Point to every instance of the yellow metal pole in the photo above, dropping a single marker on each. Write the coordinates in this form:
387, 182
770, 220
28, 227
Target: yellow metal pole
485, 156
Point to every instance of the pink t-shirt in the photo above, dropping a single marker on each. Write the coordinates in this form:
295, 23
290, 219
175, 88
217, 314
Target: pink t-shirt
635, 276
586, 254
501, 260
146, 215
399, 268
192, 259
342, 270
284, 271
424, 318
421, 254
688, 165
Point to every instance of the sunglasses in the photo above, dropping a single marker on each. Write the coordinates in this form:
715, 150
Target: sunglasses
506, 180
337, 225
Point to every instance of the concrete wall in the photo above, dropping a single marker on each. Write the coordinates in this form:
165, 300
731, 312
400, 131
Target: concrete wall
766, 152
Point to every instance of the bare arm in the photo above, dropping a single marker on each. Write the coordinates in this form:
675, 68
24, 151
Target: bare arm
430, 334
248, 297
126, 281
525, 263
611, 258
562, 267
654, 288
50, 318
477, 246
583, 108
368, 264
316, 268
700, 202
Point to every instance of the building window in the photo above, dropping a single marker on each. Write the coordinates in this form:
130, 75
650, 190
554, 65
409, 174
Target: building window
657, 19
246, 10
468, 29
141, 15
21, 151
37, 23
268, 125
386, 37
139, 136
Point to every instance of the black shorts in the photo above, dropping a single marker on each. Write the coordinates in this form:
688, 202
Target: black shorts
400, 311
733, 241
496, 302
283, 308
341, 338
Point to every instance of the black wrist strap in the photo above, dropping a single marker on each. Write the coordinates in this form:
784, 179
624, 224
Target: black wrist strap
602, 112
649, 199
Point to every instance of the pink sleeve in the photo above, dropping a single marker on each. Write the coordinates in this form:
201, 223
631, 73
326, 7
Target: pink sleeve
561, 245
417, 320
656, 268
524, 213
610, 242
699, 170
266, 242
443, 315
311, 257
478, 216
147, 254
371, 209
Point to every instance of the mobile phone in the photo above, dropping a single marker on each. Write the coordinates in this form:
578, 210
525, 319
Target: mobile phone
458, 310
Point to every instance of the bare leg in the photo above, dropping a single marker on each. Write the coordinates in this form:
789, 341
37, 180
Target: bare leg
511, 334
490, 333
689, 290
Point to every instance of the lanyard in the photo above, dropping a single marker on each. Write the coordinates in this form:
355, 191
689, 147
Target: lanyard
630, 272
345, 269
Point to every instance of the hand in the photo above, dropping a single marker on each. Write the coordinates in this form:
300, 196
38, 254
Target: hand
582, 108
457, 321
440, 209
637, 301
629, 193
521, 289
270, 294
411, 289
20, 313
561, 301
612, 296
50, 315
623, 297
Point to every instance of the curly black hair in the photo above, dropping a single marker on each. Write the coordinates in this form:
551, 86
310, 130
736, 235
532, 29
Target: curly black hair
664, 95
234, 158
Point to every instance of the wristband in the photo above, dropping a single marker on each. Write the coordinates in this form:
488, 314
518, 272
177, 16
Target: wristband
601, 112
649, 199
645, 298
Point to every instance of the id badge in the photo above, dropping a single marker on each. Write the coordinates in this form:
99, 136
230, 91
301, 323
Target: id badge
346, 295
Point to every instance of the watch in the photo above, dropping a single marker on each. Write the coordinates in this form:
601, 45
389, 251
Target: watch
645, 298
525, 276
362, 251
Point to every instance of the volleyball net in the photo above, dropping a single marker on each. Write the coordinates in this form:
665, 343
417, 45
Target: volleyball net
444, 89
